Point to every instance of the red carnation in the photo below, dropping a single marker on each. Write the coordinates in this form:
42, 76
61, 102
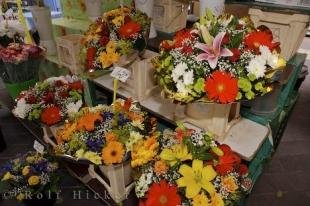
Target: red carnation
59, 83
77, 85
129, 29
49, 98
90, 57
226, 38
51, 115
104, 41
243, 169
31, 99
236, 55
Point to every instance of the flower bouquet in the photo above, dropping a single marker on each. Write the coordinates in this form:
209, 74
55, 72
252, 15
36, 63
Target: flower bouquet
220, 60
51, 101
21, 66
31, 178
115, 38
190, 168
105, 136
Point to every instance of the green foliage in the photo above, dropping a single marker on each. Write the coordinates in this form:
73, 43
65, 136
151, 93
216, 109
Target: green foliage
124, 46
35, 113
75, 95
198, 152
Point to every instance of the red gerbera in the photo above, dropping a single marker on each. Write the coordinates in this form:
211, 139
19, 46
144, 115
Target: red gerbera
90, 57
228, 161
221, 87
257, 38
182, 35
163, 194
129, 29
51, 115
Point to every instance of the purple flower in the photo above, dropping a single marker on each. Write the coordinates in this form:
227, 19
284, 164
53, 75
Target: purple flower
122, 120
108, 116
95, 144
214, 52
41, 166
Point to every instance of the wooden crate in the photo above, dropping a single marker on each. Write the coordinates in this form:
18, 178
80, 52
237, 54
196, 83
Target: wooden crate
169, 15
68, 49
141, 82
287, 28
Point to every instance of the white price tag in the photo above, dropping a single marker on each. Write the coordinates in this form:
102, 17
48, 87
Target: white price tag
38, 147
120, 73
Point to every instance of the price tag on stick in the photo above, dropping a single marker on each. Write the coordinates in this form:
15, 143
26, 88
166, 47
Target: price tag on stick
38, 147
119, 74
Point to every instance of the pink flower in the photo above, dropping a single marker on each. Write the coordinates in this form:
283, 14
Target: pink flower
214, 52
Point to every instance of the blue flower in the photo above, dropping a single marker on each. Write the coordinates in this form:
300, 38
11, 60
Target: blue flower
95, 144
122, 120
41, 166
108, 116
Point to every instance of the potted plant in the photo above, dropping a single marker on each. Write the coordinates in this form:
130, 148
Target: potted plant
20, 66
43, 21
31, 178
105, 135
190, 168
215, 65
116, 38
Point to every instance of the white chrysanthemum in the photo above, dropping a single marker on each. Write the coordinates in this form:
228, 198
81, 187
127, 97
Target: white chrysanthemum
22, 108
270, 58
137, 123
257, 67
178, 71
188, 77
133, 139
181, 87
74, 107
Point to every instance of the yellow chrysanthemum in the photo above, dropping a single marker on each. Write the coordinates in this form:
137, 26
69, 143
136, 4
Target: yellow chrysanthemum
7, 176
107, 59
118, 21
113, 153
111, 47
196, 177
65, 133
26, 170
200, 200
33, 180
176, 153
144, 151
216, 200
229, 183
20, 197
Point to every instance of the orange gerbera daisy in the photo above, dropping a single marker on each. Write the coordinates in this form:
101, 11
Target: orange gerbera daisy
88, 121
110, 137
163, 194
113, 153
51, 115
221, 87
129, 29
257, 38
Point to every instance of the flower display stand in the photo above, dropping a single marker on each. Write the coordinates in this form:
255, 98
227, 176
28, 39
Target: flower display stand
169, 15
141, 82
119, 183
216, 118
68, 49
287, 28
49, 133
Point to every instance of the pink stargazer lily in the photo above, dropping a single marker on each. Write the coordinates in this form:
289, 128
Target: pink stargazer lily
214, 52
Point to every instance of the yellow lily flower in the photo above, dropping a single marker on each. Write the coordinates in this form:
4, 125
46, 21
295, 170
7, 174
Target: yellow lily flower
201, 200
196, 178
7, 176
216, 200
177, 153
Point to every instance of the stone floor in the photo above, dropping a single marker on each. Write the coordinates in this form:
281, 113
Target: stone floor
285, 180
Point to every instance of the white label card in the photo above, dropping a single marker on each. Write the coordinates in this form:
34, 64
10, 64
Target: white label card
38, 147
120, 73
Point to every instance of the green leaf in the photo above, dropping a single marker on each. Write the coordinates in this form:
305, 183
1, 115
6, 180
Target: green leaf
236, 40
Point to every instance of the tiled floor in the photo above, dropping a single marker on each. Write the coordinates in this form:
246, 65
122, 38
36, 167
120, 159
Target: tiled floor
285, 180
